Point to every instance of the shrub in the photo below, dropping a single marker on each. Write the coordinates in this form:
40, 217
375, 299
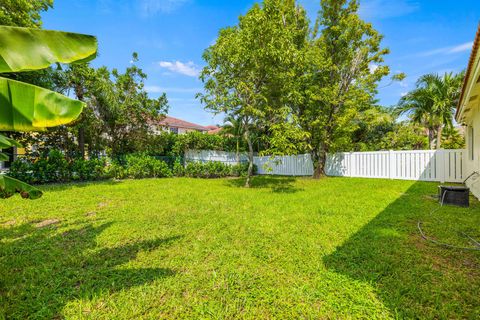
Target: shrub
55, 168
215, 169
241, 170
178, 169
138, 166
86, 170
22, 169
116, 170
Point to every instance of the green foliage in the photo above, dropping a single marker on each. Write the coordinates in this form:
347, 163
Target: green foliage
452, 139
251, 71
23, 13
140, 166
30, 108
178, 169
56, 168
199, 141
87, 170
9, 186
124, 107
339, 81
215, 169
404, 136
378, 128
432, 103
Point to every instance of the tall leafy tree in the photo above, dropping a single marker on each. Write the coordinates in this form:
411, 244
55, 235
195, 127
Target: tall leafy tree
340, 80
251, 70
432, 103
23, 13
120, 101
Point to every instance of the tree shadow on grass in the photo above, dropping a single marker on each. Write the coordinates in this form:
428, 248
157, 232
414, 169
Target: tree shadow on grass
278, 184
42, 270
79, 184
412, 277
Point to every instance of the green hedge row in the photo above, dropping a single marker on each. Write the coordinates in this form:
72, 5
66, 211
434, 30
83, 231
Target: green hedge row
55, 168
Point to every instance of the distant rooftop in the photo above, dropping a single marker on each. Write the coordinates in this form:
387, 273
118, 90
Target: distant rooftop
179, 123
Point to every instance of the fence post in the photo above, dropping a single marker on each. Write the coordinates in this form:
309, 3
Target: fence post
440, 165
391, 164
350, 164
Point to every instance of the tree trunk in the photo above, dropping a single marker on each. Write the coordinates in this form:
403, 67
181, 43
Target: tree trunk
81, 131
237, 155
319, 158
250, 160
431, 138
81, 142
439, 137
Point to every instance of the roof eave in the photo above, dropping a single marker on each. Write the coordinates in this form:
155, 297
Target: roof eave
468, 74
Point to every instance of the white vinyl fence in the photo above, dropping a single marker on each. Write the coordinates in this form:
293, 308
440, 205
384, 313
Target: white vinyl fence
211, 155
424, 165
299, 165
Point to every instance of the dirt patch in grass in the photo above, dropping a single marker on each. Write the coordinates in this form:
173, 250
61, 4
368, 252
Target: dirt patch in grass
9, 223
447, 260
45, 223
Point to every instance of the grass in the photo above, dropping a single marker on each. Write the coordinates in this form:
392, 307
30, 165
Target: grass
186, 248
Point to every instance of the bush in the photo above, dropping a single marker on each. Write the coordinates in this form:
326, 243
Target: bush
215, 169
138, 166
55, 168
178, 169
87, 170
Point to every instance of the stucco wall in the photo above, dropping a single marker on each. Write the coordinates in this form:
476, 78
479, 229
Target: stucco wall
472, 165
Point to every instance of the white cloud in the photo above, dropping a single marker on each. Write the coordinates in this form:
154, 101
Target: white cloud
188, 68
467, 46
382, 9
159, 89
403, 94
152, 7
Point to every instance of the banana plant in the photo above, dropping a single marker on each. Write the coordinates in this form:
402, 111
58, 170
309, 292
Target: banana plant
25, 107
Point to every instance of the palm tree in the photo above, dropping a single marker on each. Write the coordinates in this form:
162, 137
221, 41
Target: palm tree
234, 126
432, 103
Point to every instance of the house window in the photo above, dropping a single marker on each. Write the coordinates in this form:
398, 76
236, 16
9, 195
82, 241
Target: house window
471, 141
174, 130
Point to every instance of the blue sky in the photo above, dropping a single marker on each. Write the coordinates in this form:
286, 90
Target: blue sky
170, 36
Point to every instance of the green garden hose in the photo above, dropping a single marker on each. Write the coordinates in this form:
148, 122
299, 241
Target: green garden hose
447, 245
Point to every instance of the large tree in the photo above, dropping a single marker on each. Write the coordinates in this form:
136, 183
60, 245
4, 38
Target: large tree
345, 65
127, 113
23, 13
432, 103
251, 69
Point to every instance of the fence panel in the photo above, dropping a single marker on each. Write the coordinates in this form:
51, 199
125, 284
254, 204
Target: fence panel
297, 165
424, 165
212, 155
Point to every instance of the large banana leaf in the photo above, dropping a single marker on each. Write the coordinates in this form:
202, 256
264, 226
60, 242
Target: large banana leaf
6, 143
10, 186
25, 107
23, 49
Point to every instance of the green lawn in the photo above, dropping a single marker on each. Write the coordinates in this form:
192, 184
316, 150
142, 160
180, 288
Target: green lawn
191, 248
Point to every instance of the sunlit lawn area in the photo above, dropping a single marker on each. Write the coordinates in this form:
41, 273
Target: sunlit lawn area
187, 248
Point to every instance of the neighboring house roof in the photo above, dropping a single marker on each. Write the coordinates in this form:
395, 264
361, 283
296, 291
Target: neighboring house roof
179, 123
215, 130
472, 63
